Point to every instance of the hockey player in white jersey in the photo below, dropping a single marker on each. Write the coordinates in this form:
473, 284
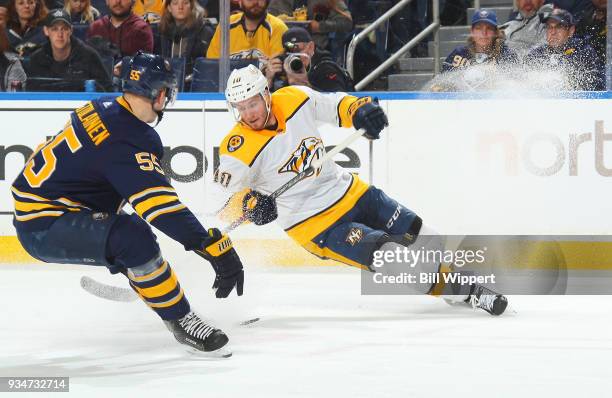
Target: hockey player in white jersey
332, 213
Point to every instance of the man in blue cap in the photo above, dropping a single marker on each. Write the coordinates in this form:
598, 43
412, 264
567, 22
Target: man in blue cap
568, 53
485, 44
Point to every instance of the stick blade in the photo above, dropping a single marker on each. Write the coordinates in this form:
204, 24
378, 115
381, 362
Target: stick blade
107, 292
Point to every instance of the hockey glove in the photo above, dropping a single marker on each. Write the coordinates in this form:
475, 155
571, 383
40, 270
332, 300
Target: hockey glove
218, 250
258, 208
372, 118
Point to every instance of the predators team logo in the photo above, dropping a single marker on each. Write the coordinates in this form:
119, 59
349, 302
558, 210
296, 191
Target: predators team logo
354, 236
309, 149
234, 143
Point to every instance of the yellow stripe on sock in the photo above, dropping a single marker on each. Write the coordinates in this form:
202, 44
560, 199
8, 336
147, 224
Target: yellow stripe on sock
159, 290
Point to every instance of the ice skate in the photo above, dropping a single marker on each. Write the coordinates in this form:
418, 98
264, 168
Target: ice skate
487, 299
192, 331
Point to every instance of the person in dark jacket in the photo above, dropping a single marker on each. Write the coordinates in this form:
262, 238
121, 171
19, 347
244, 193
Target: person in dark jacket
485, 45
12, 76
65, 60
566, 52
318, 70
592, 27
184, 32
24, 26
125, 30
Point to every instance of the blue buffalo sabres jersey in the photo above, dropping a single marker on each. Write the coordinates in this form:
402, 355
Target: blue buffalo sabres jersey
103, 156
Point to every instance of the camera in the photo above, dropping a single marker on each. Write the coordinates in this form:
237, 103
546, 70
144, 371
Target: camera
294, 61
291, 58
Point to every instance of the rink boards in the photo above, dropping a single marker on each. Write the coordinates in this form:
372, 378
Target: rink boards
467, 165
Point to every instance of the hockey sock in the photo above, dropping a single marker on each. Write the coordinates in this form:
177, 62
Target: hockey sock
454, 292
157, 285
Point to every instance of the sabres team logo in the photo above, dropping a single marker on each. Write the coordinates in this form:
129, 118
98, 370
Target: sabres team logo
309, 149
234, 143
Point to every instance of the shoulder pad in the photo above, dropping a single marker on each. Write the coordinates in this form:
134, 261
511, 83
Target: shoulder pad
244, 144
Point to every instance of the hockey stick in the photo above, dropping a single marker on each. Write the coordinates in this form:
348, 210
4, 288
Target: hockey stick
115, 293
123, 294
316, 163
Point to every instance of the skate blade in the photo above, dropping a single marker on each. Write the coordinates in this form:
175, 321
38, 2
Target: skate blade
219, 353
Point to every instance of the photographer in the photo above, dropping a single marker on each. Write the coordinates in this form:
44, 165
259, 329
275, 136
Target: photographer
306, 65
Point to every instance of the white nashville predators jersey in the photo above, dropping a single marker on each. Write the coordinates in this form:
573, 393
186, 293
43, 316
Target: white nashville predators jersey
267, 159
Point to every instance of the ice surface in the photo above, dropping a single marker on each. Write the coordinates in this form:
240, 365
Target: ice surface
318, 337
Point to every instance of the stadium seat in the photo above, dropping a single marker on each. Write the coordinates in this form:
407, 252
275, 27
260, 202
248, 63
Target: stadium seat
178, 66
79, 31
206, 73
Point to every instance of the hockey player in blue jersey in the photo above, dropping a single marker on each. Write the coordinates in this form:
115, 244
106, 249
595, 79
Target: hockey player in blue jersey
68, 202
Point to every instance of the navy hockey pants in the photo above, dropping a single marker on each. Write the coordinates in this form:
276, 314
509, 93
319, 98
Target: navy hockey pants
117, 241
358, 233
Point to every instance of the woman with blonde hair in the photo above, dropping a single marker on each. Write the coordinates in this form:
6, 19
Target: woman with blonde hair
24, 25
81, 11
485, 45
184, 33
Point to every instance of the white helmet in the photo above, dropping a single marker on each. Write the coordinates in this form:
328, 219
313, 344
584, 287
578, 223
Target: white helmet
245, 83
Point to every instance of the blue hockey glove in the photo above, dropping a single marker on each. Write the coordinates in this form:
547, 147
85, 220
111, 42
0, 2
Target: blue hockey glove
372, 118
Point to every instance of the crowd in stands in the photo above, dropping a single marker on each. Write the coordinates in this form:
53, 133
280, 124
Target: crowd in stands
49, 45
540, 37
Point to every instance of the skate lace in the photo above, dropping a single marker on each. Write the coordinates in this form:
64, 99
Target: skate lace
195, 326
484, 301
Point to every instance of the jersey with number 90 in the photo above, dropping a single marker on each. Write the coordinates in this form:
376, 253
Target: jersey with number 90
103, 157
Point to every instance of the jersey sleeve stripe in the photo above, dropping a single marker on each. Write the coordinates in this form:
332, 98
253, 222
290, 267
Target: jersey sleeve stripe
146, 205
165, 210
30, 196
29, 206
39, 214
36, 198
148, 191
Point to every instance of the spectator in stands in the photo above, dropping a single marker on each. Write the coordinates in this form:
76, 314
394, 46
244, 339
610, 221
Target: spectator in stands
149, 10
254, 34
316, 69
484, 45
25, 25
325, 16
525, 31
123, 29
568, 53
576, 7
3, 15
81, 11
12, 76
593, 29
66, 59
184, 32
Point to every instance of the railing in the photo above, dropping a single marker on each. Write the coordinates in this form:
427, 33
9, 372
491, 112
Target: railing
431, 28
